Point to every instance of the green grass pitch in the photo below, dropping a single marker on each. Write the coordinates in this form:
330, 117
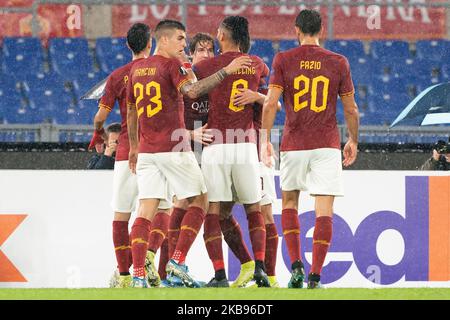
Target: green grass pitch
227, 294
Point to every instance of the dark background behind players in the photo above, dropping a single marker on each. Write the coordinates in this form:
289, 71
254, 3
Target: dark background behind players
106, 159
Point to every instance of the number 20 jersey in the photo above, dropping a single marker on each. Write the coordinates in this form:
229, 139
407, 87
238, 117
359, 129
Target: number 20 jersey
223, 114
311, 79
154, 87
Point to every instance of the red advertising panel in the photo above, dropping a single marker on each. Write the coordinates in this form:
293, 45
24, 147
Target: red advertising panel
53, 20
410, 22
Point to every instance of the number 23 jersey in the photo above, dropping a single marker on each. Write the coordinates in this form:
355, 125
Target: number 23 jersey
311, 79
154, 87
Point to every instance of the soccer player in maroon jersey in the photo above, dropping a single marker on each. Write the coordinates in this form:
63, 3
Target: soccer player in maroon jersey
230, 163
160, 160
124, 183
310, 79
201, 47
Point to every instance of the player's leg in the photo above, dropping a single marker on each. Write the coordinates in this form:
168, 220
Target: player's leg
123, 203
323, 231
325, 184
140, 233
267, 199
152, 187
270, 260
186, 181
213, 242
247, 184
232, 234
294, 166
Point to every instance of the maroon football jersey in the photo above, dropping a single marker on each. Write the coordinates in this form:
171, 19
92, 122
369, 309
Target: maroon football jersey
311, 79
223, 114
115, 89
154, 88
195, 110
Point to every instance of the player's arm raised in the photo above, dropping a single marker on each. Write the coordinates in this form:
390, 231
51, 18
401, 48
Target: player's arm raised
270, 108
351, 115
196, 89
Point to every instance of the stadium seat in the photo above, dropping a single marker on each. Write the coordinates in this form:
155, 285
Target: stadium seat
351, 49
84, 82
287, 45
362, 70
70, 56
112, 53
387, 50
24, 115
263, 49
22, 56
432, 49
10, 100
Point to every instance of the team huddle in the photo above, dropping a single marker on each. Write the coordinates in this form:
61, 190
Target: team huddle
195, 140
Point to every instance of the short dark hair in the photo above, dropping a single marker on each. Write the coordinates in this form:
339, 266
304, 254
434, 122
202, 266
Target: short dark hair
167, 24
114, 127
138, 37
309, 22
198, 38
238, 28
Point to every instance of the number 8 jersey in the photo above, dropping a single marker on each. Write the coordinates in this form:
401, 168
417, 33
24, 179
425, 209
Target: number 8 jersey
154, 87
311, 79
223, 114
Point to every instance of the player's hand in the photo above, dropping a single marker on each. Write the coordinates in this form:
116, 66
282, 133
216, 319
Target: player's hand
245, 96
267, 154
202, 135
350, 152
238, 63
111, 148
436, 155
132, 159
97, 140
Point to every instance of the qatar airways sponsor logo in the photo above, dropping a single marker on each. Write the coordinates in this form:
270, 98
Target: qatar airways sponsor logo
200, 106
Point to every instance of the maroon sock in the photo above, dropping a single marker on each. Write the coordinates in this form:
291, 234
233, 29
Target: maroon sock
323, 231
232, 235
257, 232
190, 226
163, 259
271, 248
121, 240
213, 241
291, 233
158, 232
174, 228
139, 242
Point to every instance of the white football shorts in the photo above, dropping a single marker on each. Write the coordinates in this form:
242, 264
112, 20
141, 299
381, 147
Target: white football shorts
164, 174
269, 194
317, 171
125, 189
231, 172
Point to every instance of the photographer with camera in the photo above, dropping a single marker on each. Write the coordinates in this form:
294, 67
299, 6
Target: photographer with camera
440, 159
105, 157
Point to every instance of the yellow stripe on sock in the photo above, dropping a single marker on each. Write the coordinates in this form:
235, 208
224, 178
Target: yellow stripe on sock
122, 248
173, 230
291, 231
139, 240
258, 228
212, 239
274, 237
321, 242
158, 231
189, 228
